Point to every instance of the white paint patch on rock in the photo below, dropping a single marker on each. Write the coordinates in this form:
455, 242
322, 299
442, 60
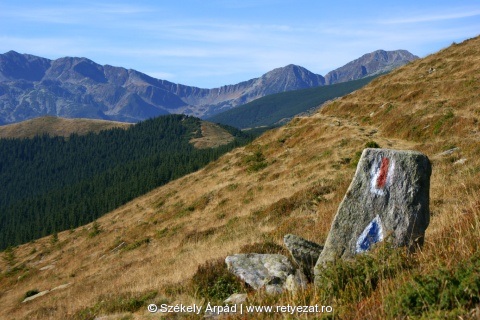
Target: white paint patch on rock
382, 175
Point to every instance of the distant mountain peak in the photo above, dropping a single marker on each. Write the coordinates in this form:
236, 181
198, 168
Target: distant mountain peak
372, 63
75, 87
16, 66
290, 77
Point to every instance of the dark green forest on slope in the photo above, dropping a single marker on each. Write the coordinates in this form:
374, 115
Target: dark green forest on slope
271, 109
50, 184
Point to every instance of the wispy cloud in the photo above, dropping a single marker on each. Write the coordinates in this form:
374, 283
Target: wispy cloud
246, 4
71, 14
229, 41
433, 17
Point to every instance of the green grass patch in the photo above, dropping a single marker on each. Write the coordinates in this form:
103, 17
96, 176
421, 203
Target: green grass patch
255, 162
440, 122
353, 280
116, 303
136, 244
214, 283
96, 230
442, 291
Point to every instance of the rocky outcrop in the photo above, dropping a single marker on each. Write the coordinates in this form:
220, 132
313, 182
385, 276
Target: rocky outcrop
388, 198
261, 271
304, 252
42, 293
296, 282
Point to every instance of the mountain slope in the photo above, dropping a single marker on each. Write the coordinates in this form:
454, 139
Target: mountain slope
276, 109
54, 126
79, 88
290, 180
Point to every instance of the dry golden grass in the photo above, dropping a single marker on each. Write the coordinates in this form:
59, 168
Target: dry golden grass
54, 126
290, 180
212, 136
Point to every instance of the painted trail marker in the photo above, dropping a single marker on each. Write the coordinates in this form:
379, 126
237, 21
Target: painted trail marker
382, 175
388, 197
372, 234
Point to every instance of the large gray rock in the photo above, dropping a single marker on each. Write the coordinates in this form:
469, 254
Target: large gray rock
296, 282
269, 271
304, 252
388, 197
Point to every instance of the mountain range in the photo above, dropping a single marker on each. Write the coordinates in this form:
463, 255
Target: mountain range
32, 86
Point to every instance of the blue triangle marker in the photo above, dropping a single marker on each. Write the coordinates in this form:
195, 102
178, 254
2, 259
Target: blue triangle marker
372, 234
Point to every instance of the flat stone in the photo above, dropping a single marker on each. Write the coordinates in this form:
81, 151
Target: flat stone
304, 252
448, 152
50, 266
388, 198
38, 295
62, 286
116, 316
236, 298
268, 271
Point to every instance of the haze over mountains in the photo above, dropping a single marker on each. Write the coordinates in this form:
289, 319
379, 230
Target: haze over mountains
32, 86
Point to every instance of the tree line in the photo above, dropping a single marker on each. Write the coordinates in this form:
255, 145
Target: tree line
50, 184
271, 109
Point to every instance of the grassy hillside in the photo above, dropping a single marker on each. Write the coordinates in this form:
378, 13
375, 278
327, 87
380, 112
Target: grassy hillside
279, 108
212, 136
290, 180
54, 126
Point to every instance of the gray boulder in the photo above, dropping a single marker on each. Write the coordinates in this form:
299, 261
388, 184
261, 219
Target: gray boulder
296, 282
304, 252
269, 271
236, 298
388, 198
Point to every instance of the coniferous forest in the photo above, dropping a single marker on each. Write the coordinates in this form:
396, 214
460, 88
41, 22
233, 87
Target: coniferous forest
272, 109
50, 184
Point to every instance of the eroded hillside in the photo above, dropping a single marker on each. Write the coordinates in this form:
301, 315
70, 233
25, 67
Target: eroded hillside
290, 180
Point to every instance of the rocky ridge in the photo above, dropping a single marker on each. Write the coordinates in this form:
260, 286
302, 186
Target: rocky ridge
376, 62
71, 87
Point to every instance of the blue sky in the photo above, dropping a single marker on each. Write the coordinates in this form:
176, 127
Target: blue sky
213, 43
